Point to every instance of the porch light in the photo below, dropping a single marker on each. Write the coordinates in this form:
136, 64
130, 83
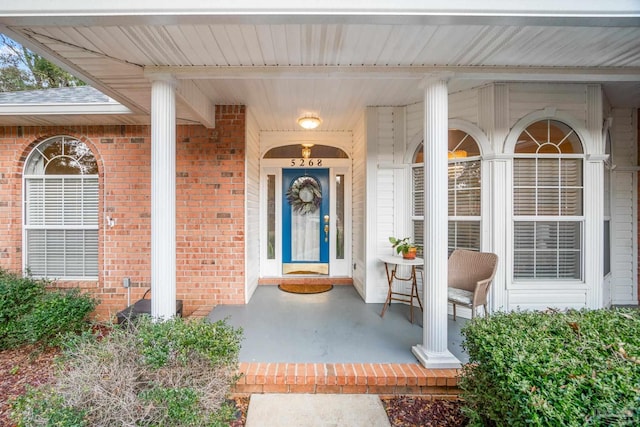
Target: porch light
306, 150
309, 122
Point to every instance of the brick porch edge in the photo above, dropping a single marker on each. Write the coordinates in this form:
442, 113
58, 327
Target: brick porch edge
347, 378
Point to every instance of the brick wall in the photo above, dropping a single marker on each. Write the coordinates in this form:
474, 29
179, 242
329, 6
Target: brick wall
209, 198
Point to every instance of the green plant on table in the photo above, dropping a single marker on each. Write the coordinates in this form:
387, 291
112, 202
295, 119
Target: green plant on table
402, 246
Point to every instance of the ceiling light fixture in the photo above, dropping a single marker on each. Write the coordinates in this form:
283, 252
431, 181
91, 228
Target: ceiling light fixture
309, 122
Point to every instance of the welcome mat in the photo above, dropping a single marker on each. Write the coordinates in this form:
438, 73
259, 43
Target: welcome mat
304, 289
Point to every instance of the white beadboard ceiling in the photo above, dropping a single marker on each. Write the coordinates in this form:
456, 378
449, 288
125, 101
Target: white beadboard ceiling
332, 66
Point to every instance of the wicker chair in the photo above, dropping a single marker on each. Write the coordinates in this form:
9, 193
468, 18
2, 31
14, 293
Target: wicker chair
470, 275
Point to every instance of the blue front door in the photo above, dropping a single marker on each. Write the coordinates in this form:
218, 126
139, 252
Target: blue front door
305, 221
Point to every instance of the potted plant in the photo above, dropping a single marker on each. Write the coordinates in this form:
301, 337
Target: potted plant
405, 246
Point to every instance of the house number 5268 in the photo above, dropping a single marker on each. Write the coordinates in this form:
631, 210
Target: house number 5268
306, 162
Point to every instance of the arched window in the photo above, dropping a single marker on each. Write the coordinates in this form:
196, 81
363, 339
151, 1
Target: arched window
548, 203
464, 192
61, 210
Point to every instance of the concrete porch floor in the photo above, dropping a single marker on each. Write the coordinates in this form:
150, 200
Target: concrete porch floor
333, 343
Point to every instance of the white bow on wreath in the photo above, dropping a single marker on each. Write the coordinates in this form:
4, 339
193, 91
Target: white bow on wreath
304, 195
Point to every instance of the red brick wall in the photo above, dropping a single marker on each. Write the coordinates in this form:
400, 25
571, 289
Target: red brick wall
209, 211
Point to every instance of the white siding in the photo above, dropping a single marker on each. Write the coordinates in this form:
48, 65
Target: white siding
252, 197
464, 106
384, 199
390, 200
623, 137
415, 122
359, 206
541, 300
526, 98
623, 212
622, 259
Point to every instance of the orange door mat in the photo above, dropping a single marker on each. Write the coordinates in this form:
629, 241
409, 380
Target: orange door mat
304, 289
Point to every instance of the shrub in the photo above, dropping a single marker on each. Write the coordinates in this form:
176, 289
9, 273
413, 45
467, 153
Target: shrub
176, 342
579, 368
18, 295
57, 313
173, 373
41, 403
30, 313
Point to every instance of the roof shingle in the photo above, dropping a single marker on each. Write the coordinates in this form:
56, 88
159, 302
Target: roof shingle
62, 95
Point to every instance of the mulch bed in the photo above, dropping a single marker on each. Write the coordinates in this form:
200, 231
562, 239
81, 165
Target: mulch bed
22, 367
414, 411
242, 405
34, 366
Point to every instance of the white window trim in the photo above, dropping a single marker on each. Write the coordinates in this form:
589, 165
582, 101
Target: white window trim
26, 227
550, 283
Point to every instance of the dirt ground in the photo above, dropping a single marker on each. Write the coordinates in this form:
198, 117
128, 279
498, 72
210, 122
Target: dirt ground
19, 368
34, 366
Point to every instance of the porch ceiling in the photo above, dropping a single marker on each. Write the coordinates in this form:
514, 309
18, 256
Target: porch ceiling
334, 65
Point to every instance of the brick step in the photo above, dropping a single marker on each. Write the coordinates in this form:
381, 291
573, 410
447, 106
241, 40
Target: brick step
306, 280
347, 378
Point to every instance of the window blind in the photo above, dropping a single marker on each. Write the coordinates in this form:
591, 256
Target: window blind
464, 208
61, 221
548, 204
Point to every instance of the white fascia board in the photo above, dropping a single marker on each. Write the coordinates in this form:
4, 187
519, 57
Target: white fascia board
372, 72
450, 7
61, 109
103, 12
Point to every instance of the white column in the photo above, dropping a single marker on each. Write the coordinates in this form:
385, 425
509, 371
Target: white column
594, 229
496, 176
163, 197
433, 352
594, 199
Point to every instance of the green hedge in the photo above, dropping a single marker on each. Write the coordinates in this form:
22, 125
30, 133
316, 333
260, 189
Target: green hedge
30, 313
579, 368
